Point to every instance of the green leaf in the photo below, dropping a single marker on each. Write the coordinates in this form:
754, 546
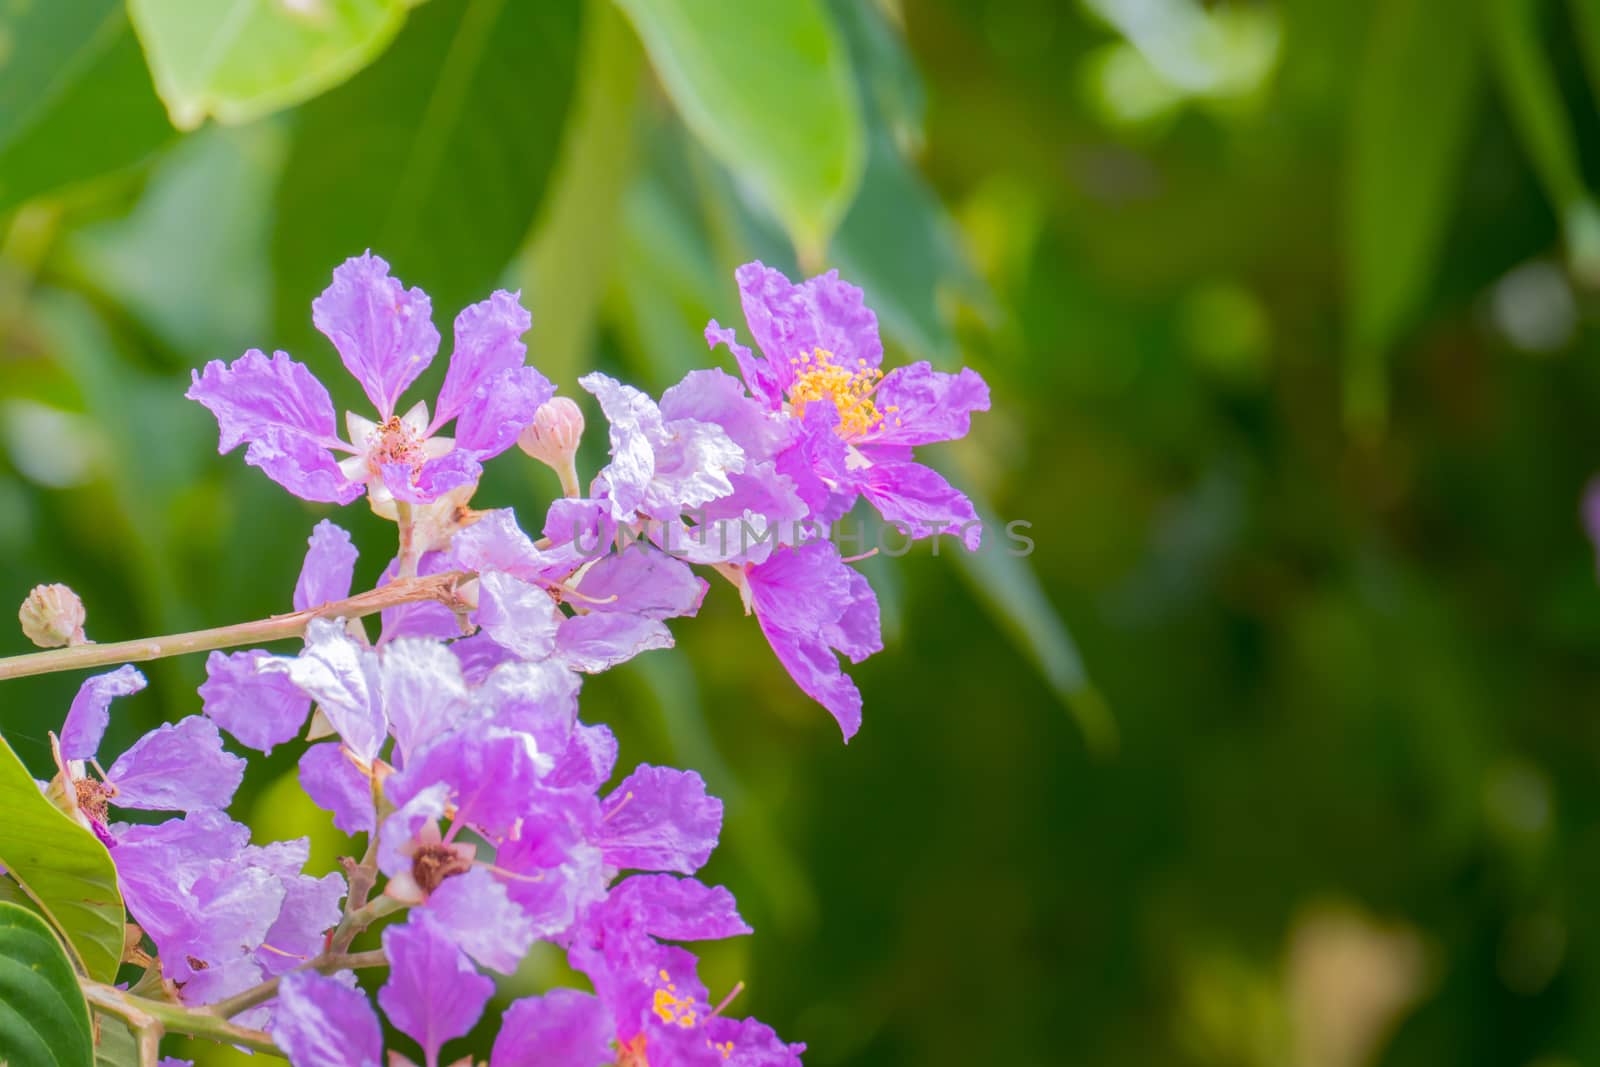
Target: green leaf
114, 1043
766, 85
436, 157
62, 867
96, 112
1414, 102
237, 60
44, 1021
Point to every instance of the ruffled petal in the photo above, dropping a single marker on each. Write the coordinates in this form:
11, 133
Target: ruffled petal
659, 819
329, 567
644, 582
564, 1026
790, 321
758, 374
319, 1022
433, 993
481, 918
342, 677
488, 340
434, 478
424, 693
921, 502
920, 404
498, 411
599, 641
384, 332
679, 909
310, 909
178, 766
261, 709
90, 713
518, 616
335, 784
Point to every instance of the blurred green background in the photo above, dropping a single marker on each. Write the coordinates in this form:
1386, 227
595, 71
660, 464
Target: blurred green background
1290, 315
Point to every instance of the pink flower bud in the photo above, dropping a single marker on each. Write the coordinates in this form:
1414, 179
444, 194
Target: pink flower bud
52, 616
552, 438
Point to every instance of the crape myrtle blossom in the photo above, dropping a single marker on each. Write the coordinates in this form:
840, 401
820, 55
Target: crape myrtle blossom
385, 336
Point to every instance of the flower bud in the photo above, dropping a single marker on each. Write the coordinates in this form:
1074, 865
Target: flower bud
552, 437
52, 616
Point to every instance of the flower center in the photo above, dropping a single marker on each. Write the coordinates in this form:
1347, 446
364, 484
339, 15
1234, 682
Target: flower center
432, 864
93, 799
631, 1053
818, 375
394, 442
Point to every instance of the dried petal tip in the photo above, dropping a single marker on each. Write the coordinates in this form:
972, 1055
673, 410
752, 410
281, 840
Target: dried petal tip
52, 616
552, 439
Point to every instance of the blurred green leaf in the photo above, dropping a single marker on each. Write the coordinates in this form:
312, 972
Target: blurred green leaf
884, 68
62, 867
94, 113
237, 60
44, 1021
435, 158
766, 85
1414, 102
114, 1043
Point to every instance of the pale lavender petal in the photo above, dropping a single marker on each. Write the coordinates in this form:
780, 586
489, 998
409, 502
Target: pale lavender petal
920, 404
792, 321
660, 819
260, 709
424, 693
492, 774
601, 640
920, 502
540, 699
329, 567
498, 411
479, 655
321, 1023
310, 909
482, 919
693, 465
90, 713
433, 993
286, 415
218, 979
586, 526
558, 873
342, 677
435, 478
157, 865
589, 758
679, 909
178, 766
642, 582
715, 396
384, 332
564, 1027
420, 618
336, 784
800, 589
488, 340
402, 827
635, 423
758, 373
519, 616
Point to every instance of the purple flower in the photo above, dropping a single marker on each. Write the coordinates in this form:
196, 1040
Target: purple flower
820, 364
178, 766
433, 994
385, 337
319, 1022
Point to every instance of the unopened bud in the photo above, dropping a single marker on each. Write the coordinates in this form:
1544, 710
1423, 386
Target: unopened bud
52, 616
552, 439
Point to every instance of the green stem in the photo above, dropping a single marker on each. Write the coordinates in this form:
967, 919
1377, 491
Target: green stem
327, 963
144, 1015
441, 587
361, 918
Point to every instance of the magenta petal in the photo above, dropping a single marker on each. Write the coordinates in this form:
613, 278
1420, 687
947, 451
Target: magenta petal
319, 1022
498, 411
482, 919
679, 909
758, 373
335, 784
177, 767
433, 993
815, 669
921, 404
287, 416
564, 1027
491, 773
90, 713
715, 396
434, 479
751, 1043
260, 709
920, 502
599, 641
660, 819
329, 567
518, 616
488, 340
789, 321
310, 909
384, 332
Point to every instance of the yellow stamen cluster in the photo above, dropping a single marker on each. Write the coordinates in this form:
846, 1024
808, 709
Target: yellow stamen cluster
671, 1008
818, 375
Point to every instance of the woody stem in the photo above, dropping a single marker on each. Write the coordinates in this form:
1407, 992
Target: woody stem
147, 1016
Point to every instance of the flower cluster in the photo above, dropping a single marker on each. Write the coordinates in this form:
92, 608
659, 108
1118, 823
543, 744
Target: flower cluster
451, 739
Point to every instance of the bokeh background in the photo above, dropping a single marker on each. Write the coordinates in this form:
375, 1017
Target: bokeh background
1281, 747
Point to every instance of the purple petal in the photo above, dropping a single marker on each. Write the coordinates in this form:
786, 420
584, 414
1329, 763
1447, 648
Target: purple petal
758, 374
321, 1023
660, 819
236, 905
488, 340
679, 909
789, 321
157, 865
435, 478
715, 396
564, 1026
433, 994
90, 713
260, 709
589, 759
815, 669
920, 404
335, 784
424, 693
405, 825
519, 616
329, 567
499, 410
420, 618
481, 918
642, 582
287, 416
310, 909
492, 774
384, 332
540, 699
751, 1043
559, 874
177, 767
342, 677
921, 502
599, 641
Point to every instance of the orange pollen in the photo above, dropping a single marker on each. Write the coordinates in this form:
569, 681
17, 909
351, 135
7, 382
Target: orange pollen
631, 1053
394, 442
818, 375
671, 1008
93, 798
